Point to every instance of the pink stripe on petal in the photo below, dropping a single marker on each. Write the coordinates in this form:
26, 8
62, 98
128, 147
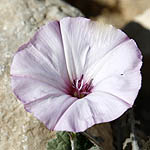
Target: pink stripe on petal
122, 59
51, 109
48, 42
76, 118
29, 62
74, 33
93, 109
28, 89
124, 86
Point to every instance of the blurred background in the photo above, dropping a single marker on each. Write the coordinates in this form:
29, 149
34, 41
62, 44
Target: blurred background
19, 19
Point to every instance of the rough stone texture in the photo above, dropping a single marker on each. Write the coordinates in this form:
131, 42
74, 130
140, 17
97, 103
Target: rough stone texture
123, 12
132, 8
92, 8
110, 3
102, 134
115, 12
19, 19
143, 19
139, 30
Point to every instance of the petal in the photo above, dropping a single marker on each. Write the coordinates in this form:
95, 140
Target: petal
48, 42
106, 107
125, 86
45, 49
76, 118
86, 42
96, 108
122, 59
102, 40
39, 66
74, 31
49, 110
31, 64
29, 89
118, 72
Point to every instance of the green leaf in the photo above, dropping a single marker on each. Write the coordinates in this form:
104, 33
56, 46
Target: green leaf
61, 142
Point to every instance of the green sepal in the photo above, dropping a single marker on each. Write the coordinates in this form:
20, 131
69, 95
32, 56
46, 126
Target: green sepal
61, 142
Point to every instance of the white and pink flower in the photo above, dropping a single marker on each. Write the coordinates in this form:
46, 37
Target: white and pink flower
75, 73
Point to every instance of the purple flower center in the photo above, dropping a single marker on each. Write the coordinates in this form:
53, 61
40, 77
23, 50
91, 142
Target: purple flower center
80, 89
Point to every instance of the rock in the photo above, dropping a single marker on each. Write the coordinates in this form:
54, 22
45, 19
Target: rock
132, 8
123, 12
115, 12
139, 30
113, 18
143, 19
109, 3
19, 19
92, 8
101, 134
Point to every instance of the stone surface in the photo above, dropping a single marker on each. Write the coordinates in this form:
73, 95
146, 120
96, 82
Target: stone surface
143, 19
122, 12
132, 8
92, 8
101, 134
19, 19
139, 30
115, 12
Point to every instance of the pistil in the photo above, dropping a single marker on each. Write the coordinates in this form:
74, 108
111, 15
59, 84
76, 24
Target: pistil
81, 89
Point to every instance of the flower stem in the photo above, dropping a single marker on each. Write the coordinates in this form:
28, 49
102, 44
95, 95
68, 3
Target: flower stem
72, 144
72, 138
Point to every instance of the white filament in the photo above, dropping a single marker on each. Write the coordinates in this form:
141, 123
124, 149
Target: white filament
81, 85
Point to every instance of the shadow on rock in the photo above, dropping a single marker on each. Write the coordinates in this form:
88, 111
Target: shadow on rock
142, 105
92, 8
137, 119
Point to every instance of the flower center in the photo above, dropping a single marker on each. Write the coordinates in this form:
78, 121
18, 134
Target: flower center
80, 89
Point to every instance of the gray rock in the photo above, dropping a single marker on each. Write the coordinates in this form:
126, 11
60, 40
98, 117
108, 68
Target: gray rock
19, 19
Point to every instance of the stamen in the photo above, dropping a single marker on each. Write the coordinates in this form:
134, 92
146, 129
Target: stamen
77, 81
74, 83
81, 85
81, 77
90, 84
80, 89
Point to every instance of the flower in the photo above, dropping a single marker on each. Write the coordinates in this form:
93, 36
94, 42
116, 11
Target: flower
75, 73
